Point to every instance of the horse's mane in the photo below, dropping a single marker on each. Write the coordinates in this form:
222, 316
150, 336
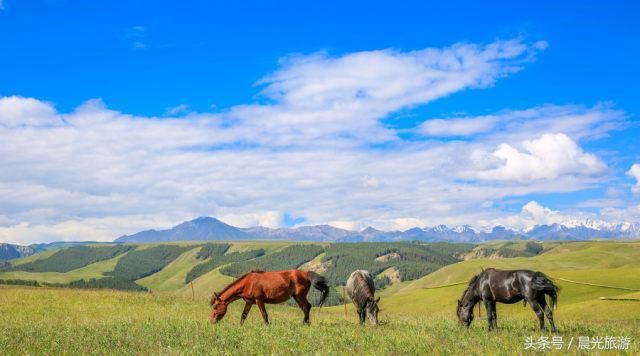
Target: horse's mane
472, 283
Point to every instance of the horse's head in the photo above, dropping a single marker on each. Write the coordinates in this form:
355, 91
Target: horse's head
465, 313
465, 306
372, 308
219, 308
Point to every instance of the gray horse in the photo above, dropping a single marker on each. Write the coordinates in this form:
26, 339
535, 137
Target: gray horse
361, 291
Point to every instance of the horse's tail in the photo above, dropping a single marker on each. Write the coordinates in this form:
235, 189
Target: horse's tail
319, 283
542, 283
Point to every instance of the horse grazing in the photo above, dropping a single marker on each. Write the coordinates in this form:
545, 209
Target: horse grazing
258, 287
361, 289
493, 285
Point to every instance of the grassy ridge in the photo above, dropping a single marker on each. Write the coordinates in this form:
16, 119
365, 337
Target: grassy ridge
141, 263
171, 277
94, 270
72, 258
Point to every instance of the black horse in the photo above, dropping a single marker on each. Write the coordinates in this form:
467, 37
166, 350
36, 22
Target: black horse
493, 285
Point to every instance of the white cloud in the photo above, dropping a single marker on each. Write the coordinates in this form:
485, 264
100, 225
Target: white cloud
634, 172
532, 214
458, 127
343, 224
403, 224
341, 100
272, 219
17, 111
180, 109
89, 229
548, 157
311, 151
574, 121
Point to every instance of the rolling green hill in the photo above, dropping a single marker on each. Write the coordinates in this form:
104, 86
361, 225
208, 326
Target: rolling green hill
194, 267
195, 270
606, 263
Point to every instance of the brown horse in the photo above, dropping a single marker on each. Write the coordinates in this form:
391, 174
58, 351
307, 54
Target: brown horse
258, 287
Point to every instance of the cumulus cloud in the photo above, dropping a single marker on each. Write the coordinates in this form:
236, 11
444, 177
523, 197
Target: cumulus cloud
548, 157
272, 219
16, 111
315, 148
634, 172
341, 100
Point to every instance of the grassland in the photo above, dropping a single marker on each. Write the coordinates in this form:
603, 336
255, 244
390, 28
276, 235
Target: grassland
62, 321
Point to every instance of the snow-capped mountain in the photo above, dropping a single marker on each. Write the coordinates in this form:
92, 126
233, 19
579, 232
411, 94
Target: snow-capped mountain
206, 228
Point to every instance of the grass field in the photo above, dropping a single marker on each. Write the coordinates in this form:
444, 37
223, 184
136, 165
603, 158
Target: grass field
54, 321
415, 319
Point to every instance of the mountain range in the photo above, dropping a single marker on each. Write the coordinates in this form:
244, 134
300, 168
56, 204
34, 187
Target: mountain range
10, 251
208, 228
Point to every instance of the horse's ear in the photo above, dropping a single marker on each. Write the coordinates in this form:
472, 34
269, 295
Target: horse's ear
215, 295
459, 302
378, 299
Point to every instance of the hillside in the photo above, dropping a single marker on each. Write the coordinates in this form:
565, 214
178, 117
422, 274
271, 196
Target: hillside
606, 263
198, 267
403, 270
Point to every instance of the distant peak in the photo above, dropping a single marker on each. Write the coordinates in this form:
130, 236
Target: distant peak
370, 230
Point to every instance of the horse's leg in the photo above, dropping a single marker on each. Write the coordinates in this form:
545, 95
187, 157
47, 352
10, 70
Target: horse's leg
263, 311
488, 306
305, 306
495, 314
307, 310
362, 313
539, 312
547, 312
245, 312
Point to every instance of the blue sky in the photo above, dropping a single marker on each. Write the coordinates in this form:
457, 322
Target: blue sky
186, 73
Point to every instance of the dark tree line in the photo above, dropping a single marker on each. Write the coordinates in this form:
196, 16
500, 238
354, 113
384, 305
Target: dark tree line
5, 265
288, 258
106, 282
216, 261
73, 258
211, 250
109, 283
141, 263
413, 260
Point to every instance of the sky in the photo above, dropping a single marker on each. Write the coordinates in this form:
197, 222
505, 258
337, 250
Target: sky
120, 116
